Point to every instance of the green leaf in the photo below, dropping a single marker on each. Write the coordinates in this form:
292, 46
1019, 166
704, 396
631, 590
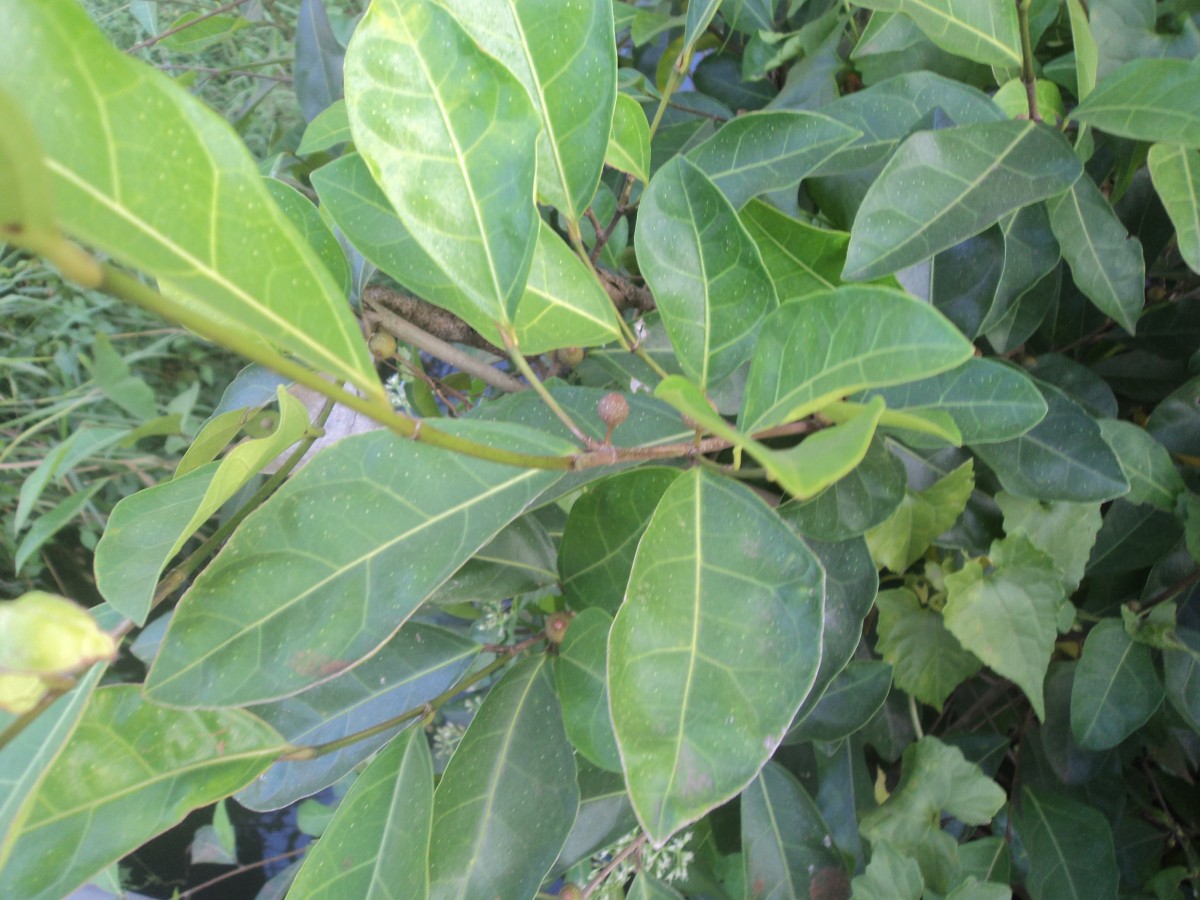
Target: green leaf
415, 666
722, 616
801, 259
508, 797
1116, 687
901, 539
927, 660
935, 779
26, 759
1013, 98
1064, 531
1086, 53
115, 378
147, 529
602, 534
330, 128
749, 16
987, 400
1153, 100
516, 561
108, 189
787, 846
303, 214
1030, 253
1181, 670
849, 703
769, 150
984, 32
26, 201
377, 845
1063, 457
561, 305
50, 523
583, 688
319, 60
95, 806
699, 15
563, 53
1007, 616
604, 815
1106, 262
1070, 848
629, 143
1176, 174
647, 887
708, 279
817, 350
192, 33
447, 131
354, 532
941, 187
853, 504
890, 875
1132, 538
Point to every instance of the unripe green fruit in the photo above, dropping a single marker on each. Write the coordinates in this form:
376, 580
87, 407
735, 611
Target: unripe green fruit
556, 626
613, 409
569, 356
382, 345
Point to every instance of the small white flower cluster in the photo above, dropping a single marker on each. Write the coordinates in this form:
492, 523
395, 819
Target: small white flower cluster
448, 735
494, 622
393, 386
668, 864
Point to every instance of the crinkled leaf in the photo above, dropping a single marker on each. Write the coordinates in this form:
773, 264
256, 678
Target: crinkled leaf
1070, 848
447, 131
941, 187
377, 845
816, 350
1064, 531
415, 666
583, 688
722, 615
935, 778
984, 32
356, 530
96, 805
1007, 616
108, 190
1176, 174
890, 875
901, 539
1116, 687
508, 798
927, 660
768, 150
709, 281
1155, 100
787, 847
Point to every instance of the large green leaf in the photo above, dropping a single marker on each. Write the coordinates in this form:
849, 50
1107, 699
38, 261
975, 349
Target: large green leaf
927, 660
1176, 174
769, 151
216, 241
819, 349
412, 668
716, 646
801, 259
1147, 100
1116, 687
1152, 475
583, 688
508, 797
562, 304
1064, 531
448, 132
602, 535
984, 32
1063, 457
941, 187
786, 845
1006, 615
354, 543
1106, 262
708, 279
26, 759
147, 529
936, 778
1030, 253
131, 770
562, 51
987, 400
1070, 848
377, 844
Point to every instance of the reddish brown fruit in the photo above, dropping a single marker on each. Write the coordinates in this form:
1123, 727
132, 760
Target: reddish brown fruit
613, 409
556, 626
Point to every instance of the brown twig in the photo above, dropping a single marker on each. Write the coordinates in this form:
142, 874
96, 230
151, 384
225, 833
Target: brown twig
246, 867
635, 846
151, 41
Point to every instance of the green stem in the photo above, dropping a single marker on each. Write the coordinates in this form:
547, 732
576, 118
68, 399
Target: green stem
522, 364
1028, 77
915, 716
677, 72
125, 287
297, 754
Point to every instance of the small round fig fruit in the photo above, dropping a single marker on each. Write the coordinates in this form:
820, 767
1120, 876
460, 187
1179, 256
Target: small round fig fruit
613, 409
569, 356
556, 626
571, 892
382, 345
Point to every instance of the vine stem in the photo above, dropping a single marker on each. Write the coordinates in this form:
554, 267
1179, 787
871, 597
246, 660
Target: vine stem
1028, 77
915, 715
635, 846
151, 41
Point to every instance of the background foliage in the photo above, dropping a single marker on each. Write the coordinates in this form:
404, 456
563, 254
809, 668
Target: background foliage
771, 471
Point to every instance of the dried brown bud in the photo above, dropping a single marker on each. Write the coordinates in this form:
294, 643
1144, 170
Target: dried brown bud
613, 409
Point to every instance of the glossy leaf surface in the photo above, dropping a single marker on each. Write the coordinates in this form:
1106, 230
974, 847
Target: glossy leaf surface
801, 259
447, 132
705, 271
508, 797
94, 807
984, 32
1147, 100
942, 187
817, 350
108, 192
850, 701
377, 845
629, 143
368, 544
717, 630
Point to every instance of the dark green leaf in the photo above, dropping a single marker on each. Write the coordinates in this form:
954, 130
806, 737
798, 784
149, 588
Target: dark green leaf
1030, 253
850, 701
319, 60
604, 815
1156, 100
927, 660
1181, 668
985, 33
801, 259
1070, 848
1175, 422
520, 559
1116, 687
583, 688
1176, 174
1132, 538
